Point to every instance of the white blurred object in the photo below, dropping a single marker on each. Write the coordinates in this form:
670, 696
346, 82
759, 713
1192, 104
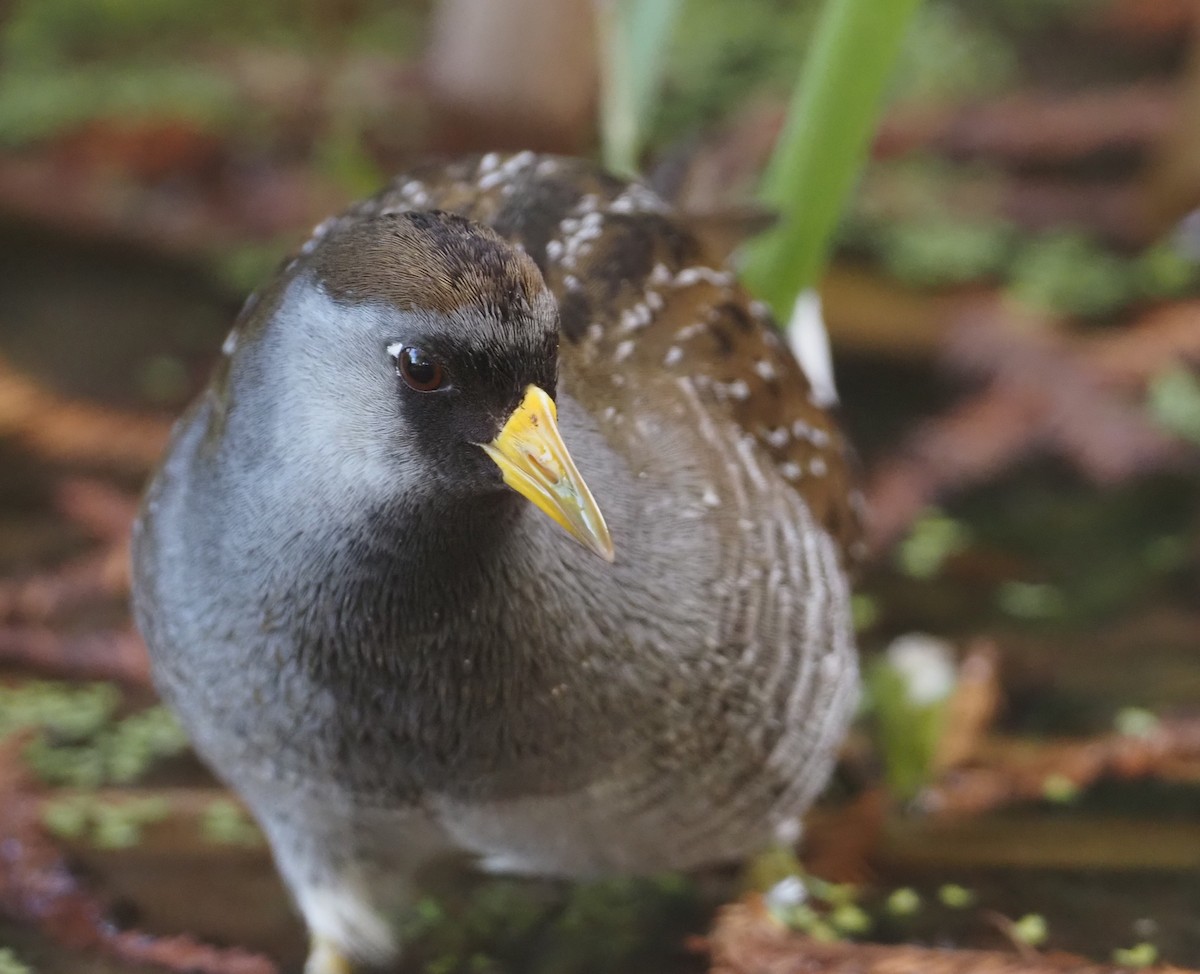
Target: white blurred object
516, 62
789, 892
925, 664
809, 342
1187, 235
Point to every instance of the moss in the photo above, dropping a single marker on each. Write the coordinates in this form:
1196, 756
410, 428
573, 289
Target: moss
1031, 601
932, 540
850, 919
68, 817
140, 740
722, 53
118, 754
1068, 273
939, 251
516, 927
1165, 271
107, 825
119, 825
79, 742
226, 823
1081, 542
1174, 400
951, 55
65, 713
36, 104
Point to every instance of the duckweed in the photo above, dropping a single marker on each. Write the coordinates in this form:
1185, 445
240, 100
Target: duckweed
955, 897
1140, 955
903, 902
1031, 930
1059, 789
107, 825
113, 753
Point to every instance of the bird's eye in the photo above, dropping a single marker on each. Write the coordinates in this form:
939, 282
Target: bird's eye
418, 369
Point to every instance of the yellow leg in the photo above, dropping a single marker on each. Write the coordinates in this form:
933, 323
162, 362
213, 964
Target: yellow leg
325, 958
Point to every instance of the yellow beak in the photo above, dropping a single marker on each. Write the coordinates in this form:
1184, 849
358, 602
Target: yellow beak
534, 460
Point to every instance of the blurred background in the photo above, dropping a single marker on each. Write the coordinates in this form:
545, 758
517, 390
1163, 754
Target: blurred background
1013, 297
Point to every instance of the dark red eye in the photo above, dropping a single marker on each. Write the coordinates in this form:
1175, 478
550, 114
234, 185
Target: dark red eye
418, 370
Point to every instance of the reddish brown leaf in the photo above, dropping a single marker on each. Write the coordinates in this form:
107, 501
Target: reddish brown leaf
1004, 771
972, 708
99, 655
99, 508
1046, 390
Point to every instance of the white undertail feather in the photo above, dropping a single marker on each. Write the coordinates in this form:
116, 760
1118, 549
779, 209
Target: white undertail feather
343, 922
809, 342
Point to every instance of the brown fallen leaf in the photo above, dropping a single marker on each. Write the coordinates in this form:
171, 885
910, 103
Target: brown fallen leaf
101, 509
972, 707
1040, 126
90, 579
98, 576
1046, 390
839, 843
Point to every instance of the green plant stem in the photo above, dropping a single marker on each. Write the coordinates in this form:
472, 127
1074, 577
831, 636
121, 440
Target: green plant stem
824, 139
633, 36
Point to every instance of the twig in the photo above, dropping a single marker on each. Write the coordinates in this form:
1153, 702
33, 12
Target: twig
67, 430
98, 655
1004, 772
1040, 127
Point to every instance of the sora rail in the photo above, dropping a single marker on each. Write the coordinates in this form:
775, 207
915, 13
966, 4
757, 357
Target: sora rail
507, 524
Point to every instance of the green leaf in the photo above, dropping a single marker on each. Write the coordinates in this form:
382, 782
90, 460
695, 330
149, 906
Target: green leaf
830, 120
633, 39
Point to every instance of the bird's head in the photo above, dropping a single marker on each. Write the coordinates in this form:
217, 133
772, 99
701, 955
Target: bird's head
429, 344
